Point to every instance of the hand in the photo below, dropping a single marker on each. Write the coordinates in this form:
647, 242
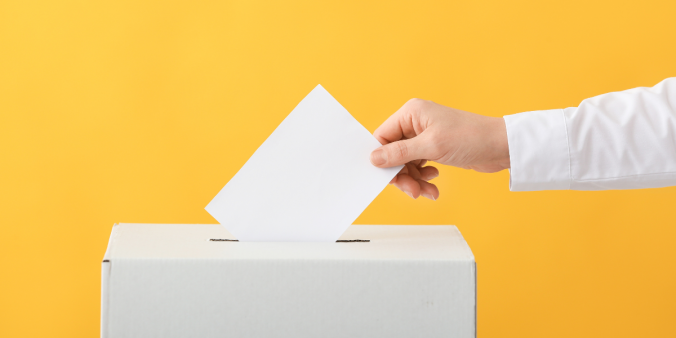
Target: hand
422, 131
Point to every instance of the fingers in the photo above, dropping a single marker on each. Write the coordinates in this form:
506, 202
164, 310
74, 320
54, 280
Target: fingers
402, 136
428, 173
403, 170
401, 124
413, 181
401, 152
428, 190
412, 170
408, 185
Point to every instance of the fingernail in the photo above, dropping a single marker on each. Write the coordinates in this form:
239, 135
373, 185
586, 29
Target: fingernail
429, 197
434, 176
378, 157
408, 193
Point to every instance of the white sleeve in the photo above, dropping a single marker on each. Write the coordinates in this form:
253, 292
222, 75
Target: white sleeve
620, 140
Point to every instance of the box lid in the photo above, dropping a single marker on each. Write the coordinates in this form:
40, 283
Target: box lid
181, 241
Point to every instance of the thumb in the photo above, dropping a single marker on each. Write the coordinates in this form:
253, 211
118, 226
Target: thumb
399, 152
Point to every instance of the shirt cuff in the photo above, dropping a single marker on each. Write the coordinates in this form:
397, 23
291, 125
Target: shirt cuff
538, 151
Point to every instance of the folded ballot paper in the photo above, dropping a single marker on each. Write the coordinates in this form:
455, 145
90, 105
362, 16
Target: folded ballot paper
277, 197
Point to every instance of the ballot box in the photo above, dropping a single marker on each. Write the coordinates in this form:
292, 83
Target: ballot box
194, 280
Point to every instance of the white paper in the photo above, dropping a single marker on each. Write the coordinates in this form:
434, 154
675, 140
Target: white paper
308, 181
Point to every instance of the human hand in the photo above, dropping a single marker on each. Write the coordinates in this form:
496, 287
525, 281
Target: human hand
422, 131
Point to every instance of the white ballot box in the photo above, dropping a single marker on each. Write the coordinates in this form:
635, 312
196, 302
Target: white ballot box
188, 280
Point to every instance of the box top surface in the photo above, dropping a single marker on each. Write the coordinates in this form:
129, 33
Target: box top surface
192, 241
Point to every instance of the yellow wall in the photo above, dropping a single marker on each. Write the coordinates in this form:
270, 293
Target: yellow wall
116, 111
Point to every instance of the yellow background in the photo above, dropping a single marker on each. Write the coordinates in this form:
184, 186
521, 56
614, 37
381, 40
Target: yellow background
128, 111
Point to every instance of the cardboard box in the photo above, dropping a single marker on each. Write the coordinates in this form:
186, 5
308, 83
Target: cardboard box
172, 280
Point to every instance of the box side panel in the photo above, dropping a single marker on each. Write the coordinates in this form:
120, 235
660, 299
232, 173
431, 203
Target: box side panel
105, 274
216, 298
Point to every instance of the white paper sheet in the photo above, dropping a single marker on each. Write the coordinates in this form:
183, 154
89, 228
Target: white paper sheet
308, 181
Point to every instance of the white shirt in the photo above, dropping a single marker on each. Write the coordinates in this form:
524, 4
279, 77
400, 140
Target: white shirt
620, 140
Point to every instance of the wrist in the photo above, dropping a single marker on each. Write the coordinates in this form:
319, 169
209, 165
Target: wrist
499, 142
